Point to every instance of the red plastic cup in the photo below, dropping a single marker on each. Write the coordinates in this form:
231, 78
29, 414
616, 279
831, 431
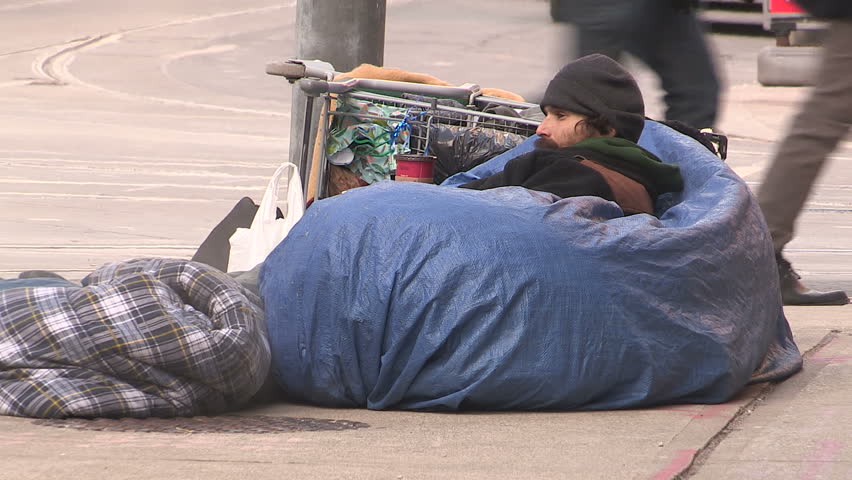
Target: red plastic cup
415, 168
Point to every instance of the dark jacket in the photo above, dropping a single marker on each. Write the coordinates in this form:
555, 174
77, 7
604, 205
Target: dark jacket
827, 8
611, 168
614, 14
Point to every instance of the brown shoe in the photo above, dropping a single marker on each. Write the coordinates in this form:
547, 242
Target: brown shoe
794, 292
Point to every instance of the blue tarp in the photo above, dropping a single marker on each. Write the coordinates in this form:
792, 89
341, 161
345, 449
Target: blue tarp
412, 296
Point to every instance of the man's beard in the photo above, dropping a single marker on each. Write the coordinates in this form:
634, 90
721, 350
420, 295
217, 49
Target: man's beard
545, 142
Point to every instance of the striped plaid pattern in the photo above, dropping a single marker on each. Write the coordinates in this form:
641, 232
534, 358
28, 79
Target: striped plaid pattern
147, 337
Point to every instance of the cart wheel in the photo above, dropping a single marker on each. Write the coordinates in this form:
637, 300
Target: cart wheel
787, 66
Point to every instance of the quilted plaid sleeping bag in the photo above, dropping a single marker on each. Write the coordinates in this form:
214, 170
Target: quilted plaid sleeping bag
147, 337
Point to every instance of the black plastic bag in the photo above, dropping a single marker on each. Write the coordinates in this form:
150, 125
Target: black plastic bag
459, 149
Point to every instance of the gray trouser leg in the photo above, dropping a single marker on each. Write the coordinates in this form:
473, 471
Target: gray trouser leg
822, 122
674, 46
668, 40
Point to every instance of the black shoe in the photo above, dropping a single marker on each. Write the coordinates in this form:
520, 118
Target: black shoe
40, 274
793, 292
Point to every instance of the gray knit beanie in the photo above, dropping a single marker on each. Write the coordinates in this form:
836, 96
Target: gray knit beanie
598, 85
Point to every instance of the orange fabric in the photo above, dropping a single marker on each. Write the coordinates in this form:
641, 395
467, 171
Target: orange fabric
629, 194
365, 70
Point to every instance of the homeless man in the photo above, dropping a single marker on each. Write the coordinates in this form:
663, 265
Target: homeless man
594, 114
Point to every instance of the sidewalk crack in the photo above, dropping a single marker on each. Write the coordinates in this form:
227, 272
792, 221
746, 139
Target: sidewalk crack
742, 414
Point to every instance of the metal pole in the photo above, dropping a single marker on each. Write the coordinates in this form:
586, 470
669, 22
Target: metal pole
344, 33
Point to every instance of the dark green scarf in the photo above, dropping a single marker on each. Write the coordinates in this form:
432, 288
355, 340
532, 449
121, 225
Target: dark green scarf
634, 161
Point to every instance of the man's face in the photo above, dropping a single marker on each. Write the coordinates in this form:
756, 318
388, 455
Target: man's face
560, 129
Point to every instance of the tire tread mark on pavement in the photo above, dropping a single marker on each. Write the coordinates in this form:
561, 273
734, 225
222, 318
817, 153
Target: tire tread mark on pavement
46, 67
54, 67
42, 47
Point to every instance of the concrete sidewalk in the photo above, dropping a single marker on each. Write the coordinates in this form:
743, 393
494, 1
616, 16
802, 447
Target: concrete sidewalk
795, 430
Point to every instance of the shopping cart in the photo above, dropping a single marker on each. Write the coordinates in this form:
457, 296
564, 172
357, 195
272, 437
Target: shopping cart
418, 112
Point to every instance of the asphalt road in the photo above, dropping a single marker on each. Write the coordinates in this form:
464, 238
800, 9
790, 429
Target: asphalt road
129, 128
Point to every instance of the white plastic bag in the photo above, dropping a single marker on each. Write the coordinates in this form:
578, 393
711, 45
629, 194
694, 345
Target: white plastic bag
250, 246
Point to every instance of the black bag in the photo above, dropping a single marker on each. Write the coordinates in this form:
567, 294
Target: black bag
216, 248
458, 149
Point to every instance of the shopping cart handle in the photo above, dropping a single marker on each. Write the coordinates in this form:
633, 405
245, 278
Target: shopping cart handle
294, 70
314, 87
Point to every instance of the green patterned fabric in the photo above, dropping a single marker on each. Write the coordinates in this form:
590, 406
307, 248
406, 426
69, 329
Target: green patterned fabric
373, 142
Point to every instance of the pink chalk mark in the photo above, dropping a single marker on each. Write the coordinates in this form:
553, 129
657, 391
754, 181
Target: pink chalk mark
677, 465
818, 354
827, 452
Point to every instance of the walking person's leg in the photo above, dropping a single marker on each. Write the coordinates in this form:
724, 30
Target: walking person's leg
601, 26
671, 42
822, 122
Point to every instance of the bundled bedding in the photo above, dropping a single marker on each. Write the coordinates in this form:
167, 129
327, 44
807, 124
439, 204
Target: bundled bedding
426, 297
147, 337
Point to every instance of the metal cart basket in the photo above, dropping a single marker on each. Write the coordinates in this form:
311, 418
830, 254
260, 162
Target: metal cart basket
418, 111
